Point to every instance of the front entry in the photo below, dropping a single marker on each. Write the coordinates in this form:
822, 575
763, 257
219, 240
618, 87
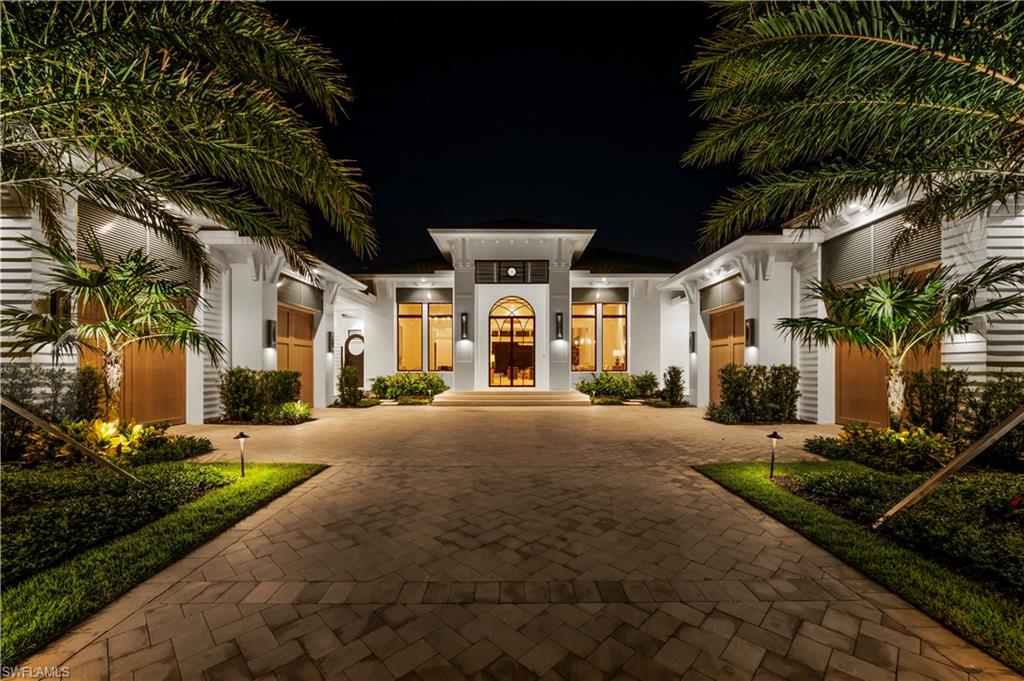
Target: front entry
512, 348
726, 340
295, 346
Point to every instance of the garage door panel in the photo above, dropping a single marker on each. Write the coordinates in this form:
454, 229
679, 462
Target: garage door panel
862, 383
295, 347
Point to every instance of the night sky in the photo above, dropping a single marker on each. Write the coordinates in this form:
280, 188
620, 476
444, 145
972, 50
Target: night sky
570, 113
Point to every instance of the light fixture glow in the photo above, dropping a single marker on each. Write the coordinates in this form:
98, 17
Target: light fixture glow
559, 326
270, 340
464, 325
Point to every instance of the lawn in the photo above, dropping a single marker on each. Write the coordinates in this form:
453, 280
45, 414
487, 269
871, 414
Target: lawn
77, 538
976, 594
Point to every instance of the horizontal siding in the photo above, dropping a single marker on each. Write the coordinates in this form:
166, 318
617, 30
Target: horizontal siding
213, 324
1004, 234
806, 268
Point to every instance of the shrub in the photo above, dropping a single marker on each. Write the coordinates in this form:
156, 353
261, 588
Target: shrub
367, 402
609, 385
249, 395
969, 522
987, 406
415, 399
54, 393
124, 443
673, 392
408, 384
935, 399
605, 399
911, 449
646, 383
291, 412
348, 386
757, 394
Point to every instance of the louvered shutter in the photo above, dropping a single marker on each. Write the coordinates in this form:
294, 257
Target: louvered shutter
726, 292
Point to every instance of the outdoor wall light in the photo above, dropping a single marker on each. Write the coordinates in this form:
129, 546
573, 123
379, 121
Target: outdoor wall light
748, 333
559, 326
330, 342
464, 325
693, 342
271, 336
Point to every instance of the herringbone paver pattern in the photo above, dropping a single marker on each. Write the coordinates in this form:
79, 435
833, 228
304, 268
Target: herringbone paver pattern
601, 564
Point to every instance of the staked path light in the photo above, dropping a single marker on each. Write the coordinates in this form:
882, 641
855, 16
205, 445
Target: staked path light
241, 437
775, 437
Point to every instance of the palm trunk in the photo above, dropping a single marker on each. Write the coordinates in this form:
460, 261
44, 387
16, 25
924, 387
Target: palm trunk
113, 371
895, 394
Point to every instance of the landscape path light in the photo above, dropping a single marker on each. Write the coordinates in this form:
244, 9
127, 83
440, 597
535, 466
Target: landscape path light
775, 437
241, 437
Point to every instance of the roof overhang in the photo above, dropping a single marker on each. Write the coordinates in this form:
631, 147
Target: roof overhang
559, 245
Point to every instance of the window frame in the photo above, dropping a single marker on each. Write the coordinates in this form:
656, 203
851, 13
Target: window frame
398, 345
597, 346
625, 336
431, 361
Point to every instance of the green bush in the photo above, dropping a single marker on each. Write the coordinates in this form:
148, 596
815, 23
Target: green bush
177, 448
673, 392
970, 522
124, 442
609, 385
348, 386
407, 384
646, 383
54, 393
911, 449
291, 413
367, 402
936, 399
987, 406
756, 393
415, 399
604, 400
256, 396
50, 514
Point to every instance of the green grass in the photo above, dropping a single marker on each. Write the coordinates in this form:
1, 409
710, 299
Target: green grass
45, 605
994, 623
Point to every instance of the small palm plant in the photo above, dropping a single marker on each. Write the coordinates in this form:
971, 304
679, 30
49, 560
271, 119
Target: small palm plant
136, 304
893, 315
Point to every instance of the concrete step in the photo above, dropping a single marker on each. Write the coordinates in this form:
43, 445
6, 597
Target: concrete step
511, 398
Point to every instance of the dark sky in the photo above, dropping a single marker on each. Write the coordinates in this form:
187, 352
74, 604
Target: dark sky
571, 113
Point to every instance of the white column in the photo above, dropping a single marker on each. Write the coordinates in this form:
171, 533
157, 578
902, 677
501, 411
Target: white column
323, 364
559, 301
464, 302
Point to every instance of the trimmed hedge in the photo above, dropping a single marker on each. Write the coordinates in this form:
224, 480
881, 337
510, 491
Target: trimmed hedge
407, 384
254, 396
756, 393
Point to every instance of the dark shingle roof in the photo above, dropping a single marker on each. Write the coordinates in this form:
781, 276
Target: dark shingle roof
427, 265
606, 261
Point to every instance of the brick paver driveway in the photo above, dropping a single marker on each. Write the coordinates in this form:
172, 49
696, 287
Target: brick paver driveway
512, 544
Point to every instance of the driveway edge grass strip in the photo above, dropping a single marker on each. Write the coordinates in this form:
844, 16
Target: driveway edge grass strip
992, 622
46, 605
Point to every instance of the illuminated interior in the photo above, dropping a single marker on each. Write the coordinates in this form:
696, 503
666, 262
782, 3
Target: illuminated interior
439, 333
584, 337
613, 337
512, 356
410, 337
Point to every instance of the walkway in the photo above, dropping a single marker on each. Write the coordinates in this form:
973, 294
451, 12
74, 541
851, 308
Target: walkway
460, 543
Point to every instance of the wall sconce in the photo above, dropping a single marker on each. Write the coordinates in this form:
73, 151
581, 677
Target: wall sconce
748, 333
330, 342
271, 337
464, 325
693, 341
559, 326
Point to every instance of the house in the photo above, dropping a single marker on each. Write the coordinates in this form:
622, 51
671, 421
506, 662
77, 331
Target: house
736, 294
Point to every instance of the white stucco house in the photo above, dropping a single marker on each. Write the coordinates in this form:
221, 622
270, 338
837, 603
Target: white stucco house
514, 306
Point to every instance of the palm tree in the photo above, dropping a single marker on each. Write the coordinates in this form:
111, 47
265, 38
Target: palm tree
135, 303
826, 103
892, 315
158, 108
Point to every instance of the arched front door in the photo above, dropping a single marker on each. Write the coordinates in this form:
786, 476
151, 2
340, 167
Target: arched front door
512, 344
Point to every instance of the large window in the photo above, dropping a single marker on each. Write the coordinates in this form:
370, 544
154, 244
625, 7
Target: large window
613, 337
584, 337
410, 337
439, 334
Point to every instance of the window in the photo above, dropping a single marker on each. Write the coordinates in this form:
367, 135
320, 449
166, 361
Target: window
410, 337
613, 336
439, 333
584, 337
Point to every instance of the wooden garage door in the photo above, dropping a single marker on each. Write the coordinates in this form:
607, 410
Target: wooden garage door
861, 381
726, 338
153, 387
295, 346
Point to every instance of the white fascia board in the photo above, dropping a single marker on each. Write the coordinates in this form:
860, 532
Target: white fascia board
586, 278
325, 271
789, 240
444, 237
445, 278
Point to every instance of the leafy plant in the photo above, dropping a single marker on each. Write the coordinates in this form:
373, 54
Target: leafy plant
414, 400
608, 384
367, 402
348, 386
936, 400
291, 412
646, 384
379, 386
826, 103
279, 386
894, 314
132, 302
911, 449
250, 395
408, 384
673, 392
989, 405
204, 102
605, 400
756, 393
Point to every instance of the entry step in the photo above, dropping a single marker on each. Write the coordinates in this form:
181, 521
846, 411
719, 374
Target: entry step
511, 398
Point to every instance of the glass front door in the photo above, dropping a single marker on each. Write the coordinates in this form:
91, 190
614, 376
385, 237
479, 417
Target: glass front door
512, 344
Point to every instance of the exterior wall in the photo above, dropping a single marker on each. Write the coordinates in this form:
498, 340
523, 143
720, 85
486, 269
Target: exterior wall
1004, 237
805, 270
559, 298
215, 317
674, 325
464, 303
